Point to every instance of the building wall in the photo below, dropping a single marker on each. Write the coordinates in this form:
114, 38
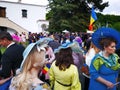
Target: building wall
34, 13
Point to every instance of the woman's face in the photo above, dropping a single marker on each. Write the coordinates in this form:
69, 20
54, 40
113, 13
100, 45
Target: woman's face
111, 48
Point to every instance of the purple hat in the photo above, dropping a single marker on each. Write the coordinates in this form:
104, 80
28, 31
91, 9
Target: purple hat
78, 39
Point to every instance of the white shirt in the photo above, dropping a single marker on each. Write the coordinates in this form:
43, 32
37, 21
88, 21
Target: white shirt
89, 56
10, 44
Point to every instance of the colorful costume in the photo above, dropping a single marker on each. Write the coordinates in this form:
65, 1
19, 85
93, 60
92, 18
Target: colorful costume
106, 68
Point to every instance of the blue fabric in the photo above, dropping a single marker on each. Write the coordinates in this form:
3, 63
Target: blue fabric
63, 46
5, 86
103, 72
39, 87
48, 65
111, 61
103, 33
93, 14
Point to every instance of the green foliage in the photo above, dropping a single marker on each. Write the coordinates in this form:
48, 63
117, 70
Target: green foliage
112, 21
72, 15
117, 26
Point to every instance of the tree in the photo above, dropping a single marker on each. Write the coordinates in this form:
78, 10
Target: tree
72, 15
112, 21
117, 26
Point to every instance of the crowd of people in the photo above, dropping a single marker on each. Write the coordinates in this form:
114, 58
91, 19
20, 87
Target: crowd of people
61, 61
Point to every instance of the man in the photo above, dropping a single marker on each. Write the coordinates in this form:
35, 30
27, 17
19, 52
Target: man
12, 57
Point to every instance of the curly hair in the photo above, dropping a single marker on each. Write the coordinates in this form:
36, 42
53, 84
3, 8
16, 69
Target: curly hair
105, 42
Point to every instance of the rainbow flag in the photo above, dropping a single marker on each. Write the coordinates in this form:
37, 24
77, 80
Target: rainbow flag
93, 18
46, 68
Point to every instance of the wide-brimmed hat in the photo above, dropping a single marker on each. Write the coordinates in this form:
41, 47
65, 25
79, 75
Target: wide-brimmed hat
42, 43
76, 47
73, 45
105, 32
63, 46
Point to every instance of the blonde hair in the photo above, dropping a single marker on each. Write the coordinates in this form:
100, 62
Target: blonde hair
35, 59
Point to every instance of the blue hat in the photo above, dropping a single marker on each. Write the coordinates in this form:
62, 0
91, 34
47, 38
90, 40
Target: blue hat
63, 46
103, 33
73, 45
40, 43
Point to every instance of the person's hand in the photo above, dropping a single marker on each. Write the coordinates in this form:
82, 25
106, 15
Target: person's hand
2, 81
109, 84
47, 62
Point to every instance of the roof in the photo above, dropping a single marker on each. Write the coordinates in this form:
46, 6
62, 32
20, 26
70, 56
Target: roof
23, 3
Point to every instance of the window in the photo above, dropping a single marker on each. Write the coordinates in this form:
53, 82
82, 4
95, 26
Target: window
24, 13
44, 26
2, 12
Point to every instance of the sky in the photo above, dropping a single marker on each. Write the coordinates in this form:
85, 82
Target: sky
114, 7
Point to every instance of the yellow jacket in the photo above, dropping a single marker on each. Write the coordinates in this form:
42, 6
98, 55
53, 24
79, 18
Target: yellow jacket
68, 77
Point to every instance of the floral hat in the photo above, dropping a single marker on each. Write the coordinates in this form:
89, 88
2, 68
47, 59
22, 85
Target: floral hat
41, 44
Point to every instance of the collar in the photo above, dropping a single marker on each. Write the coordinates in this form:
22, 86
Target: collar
110, 61
10, 44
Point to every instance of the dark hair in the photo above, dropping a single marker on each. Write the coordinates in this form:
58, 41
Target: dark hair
64, 59
5, 35
105, 42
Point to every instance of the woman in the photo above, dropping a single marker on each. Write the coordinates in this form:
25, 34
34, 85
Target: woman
104, 66
78, 59
93, 50
34, 59
63, 72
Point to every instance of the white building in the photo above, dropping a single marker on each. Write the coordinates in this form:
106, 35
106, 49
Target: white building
20, 17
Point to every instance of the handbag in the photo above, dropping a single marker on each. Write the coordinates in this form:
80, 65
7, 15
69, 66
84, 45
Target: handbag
6, 85
85, 69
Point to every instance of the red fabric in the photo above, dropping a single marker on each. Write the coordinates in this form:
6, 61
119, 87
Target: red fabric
90, 27
44, 71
